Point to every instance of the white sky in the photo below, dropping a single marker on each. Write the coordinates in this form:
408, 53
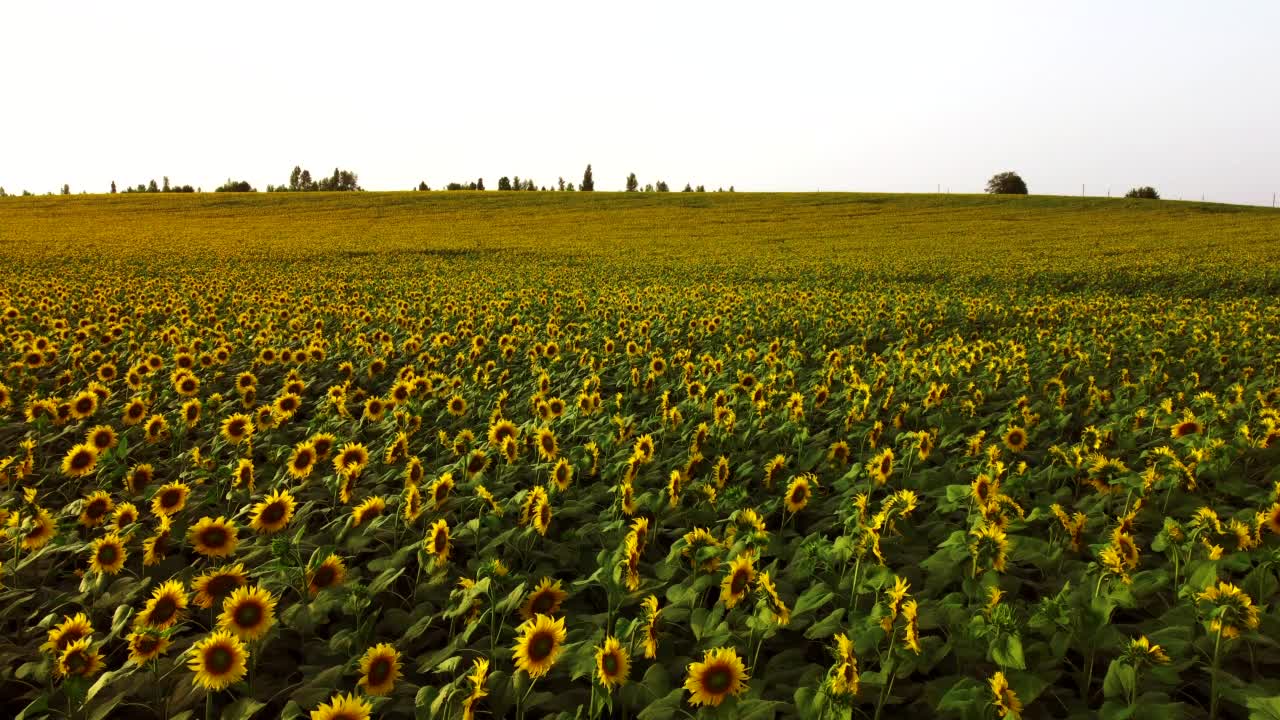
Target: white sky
868, 96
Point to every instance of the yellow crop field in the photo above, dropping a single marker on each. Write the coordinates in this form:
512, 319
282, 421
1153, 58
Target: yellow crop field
637, 455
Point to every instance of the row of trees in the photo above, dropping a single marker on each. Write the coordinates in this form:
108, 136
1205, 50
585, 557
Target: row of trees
147, 188
300, 180
1010, 183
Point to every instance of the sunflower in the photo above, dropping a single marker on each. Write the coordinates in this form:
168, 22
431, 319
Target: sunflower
78, 659
563, 474
1015, 439
156, 547
237, 428
351, 459
412, 502
374, 409
478, 677
248, 612
340, 707
102, 438
771, 470
545, 599
329, 573
214, 538
1233, 610
146, 645
170, 499
125, 515
80, 460
612, 664
1185, 428
191, 412
156, 429
548, 447
323, 444
302, 461
286, 405
500, 431
437, 542
798, 492
139, 478
218, 661
66, 632
274, 512
1272, 518
96, 507
643, 449
738, 580
1004, 699
379, 669
781, 614
844, 676
541, 514
108, 555
719, 675
165, 607
413, 472
540, 642
84, 405
367, 510
440, 490
218, 583
398, 449
881, 466
243, 475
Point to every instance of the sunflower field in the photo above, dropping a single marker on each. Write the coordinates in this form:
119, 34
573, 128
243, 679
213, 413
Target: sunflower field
527, 455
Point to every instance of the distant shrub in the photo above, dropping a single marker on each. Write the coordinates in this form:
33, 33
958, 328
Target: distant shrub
1006, 183
1146, 192
235, 186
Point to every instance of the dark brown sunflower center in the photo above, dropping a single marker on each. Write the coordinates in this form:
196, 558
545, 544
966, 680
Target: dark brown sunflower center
107, 554
221, 585
135, 411
218, 659
84, 405
163, 610
885, 465
171, 498
324, 576
543, 602
739, 583
379, 671
440, 542
147, 645
717, 680
81, 460
236, 429
69, 637
798, 494
544, 515
248, 614
273, 513
214, 537
77, 663
96, 509
540, 646
610, 664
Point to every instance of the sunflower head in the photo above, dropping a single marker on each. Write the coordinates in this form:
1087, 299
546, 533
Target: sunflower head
720, 674
613, 664
146, 645
78, 659
165, 607
329, 573
379, 669
538, 645
218, 661
108, 555
248, 613
545, 599
437, 542
343, 707
214, 538
738, 579
274, 512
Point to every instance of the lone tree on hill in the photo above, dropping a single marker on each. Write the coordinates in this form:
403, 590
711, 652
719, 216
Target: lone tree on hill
504, 183
1006, 183
588, 184
632, 183
1146, 192
113, 187
235, 186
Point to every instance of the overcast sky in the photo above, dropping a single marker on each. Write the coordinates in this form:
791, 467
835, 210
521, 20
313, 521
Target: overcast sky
866, 96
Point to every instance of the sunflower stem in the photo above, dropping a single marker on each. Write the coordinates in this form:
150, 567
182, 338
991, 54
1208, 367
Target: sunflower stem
208, 706
1213, 679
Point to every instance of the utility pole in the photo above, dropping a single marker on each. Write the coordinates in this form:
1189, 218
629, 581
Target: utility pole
1081, 189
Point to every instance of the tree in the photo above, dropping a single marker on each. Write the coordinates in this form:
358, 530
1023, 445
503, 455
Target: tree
480, 184
1146, 192
687, 188
1006, 183
663, 187
423, 186
730, 188
570, 188
166, 184
632, 183
701, 188
504, 183
588, 184
561, 184
3, 193
113, 187
235, 186
648, 187
66, 189
304, 183
295, 178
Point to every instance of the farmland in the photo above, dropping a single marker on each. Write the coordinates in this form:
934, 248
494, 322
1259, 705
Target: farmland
454, 455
